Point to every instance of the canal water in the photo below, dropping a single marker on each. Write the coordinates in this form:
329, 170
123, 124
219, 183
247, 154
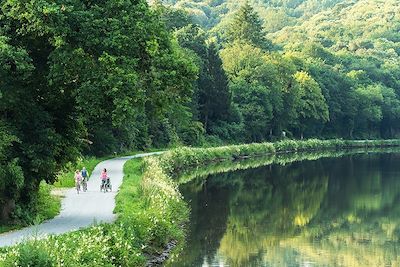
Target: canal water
342, 211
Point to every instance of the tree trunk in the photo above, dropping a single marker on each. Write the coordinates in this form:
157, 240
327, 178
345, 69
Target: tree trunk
6, 209
206, 122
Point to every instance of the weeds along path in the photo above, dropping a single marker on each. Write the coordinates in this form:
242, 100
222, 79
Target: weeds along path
79, 211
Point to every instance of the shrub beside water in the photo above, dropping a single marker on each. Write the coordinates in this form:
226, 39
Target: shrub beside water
180, 159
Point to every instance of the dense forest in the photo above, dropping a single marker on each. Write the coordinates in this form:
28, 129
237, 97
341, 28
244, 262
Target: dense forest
97, 77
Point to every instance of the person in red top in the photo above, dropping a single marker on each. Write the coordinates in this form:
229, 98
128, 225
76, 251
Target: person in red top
104, 175
105, 180
78, 180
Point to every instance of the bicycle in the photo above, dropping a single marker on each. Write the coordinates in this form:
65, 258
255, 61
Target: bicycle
106, 185
84, 185
78, 187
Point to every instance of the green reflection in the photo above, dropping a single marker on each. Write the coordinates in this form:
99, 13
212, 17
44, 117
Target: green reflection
329, 212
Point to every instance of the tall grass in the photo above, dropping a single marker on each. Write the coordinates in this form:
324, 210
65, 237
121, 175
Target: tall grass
150, 211
180, 159
48, 205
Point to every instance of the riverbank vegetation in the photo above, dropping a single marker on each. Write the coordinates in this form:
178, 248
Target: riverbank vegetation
151, 211
199, 173
180, 159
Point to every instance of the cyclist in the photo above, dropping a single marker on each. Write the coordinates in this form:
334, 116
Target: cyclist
85, 174
85, 178
78, 180
105, 180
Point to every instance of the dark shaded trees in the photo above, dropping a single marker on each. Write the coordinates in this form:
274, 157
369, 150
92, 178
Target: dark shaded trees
99, 76
212, 94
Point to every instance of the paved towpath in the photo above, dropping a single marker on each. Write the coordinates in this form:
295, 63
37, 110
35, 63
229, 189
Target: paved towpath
81, 210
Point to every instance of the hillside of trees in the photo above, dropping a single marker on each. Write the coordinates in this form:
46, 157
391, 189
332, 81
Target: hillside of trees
98, 77
333, 72
275, 14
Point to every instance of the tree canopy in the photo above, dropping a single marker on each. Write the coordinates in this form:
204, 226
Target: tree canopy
94, 76
98, 77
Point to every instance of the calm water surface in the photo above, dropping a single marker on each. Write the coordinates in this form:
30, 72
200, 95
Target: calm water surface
329, 212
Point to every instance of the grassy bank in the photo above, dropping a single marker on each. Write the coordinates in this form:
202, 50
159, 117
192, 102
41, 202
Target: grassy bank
46, 206
180, 159
150, 211
150, 208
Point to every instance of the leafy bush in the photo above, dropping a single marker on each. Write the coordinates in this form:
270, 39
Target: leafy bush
32, 254
47, 205
43, 207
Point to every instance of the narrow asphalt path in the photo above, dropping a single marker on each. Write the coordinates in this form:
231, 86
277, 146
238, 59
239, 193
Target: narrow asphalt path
79, 211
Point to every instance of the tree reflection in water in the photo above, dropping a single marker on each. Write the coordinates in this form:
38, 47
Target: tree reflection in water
331, 212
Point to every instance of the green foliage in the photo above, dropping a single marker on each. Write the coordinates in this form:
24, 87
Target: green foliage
370, 100
106, 245
352, 60
80, 77
47, 205
173, 18
150, 211
246, 27
275, 13
211, 98
33, 254
11, 174
250, 84
347, 48
312, 108
44, 206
